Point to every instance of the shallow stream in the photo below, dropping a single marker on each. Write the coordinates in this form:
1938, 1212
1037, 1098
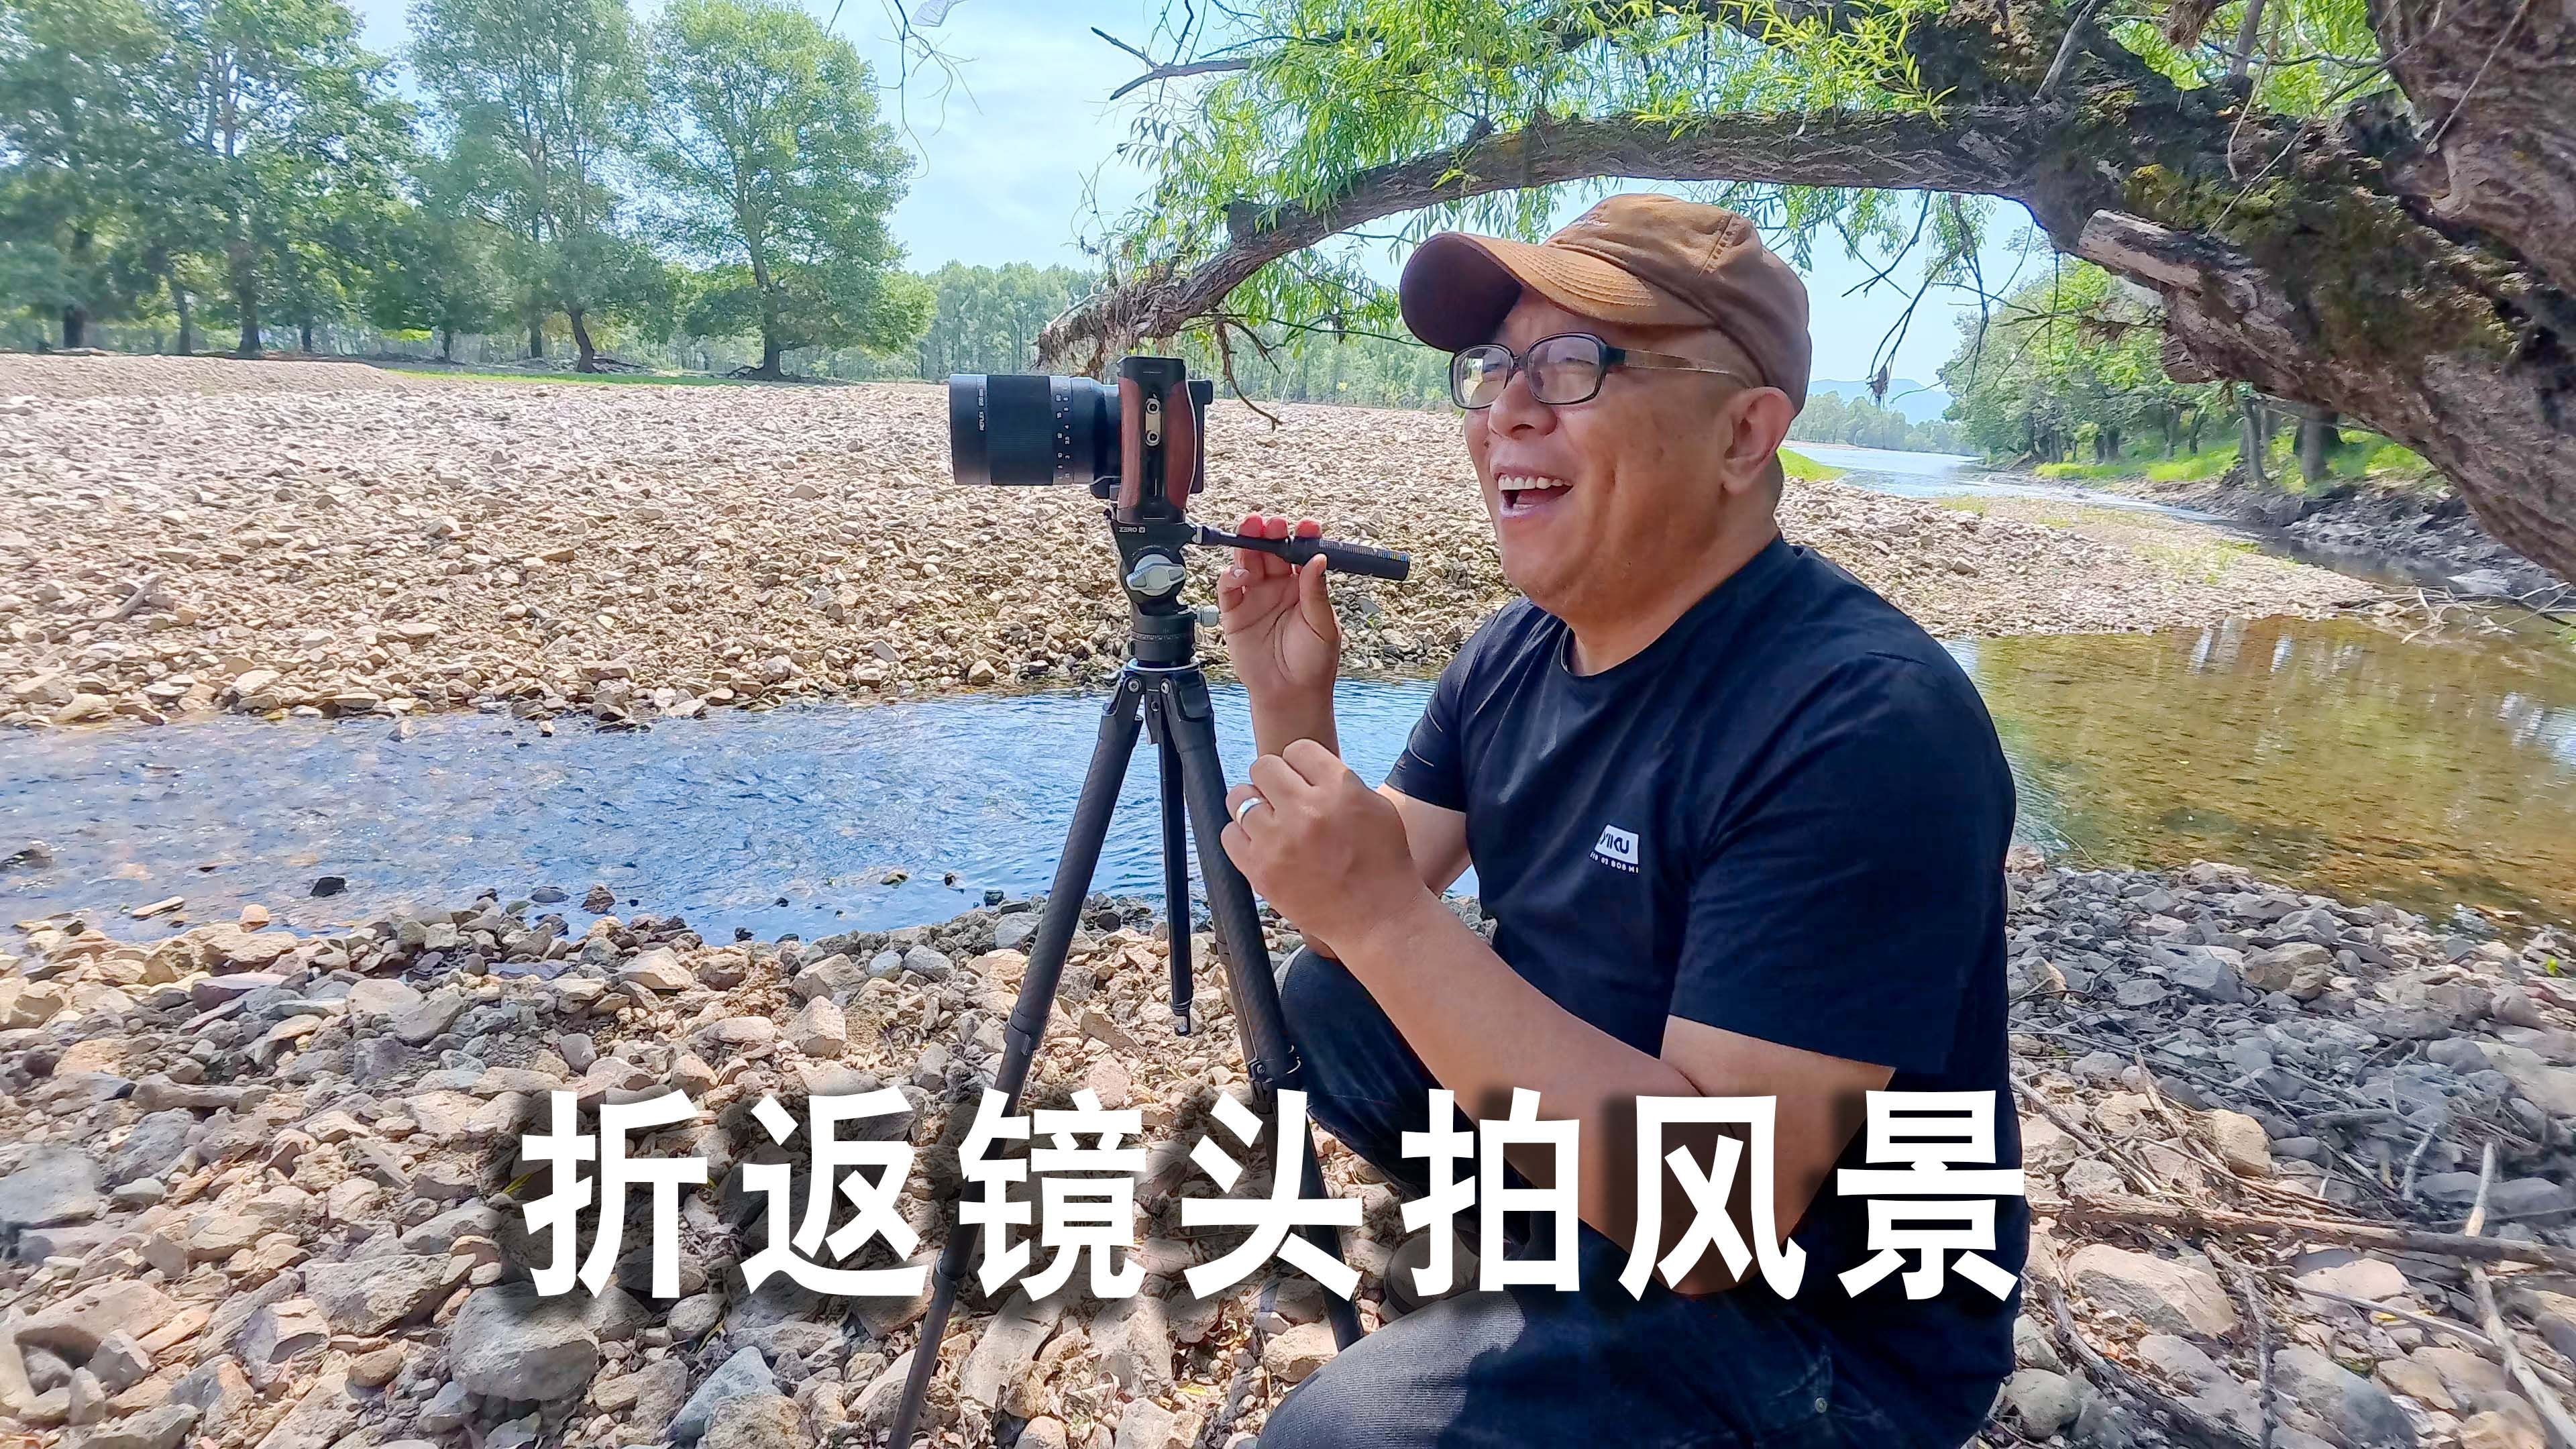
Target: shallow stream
2329, 754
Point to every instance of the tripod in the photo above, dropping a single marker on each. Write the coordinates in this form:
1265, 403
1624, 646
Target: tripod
1162, 691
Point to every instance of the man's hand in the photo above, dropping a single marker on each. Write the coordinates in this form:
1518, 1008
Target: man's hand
1279, 627
1325, 850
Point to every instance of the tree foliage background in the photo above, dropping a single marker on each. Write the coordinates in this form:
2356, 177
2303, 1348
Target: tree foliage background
2365, 209
168, 167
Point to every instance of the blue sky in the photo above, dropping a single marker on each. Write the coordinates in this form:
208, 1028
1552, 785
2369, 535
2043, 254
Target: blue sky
1024, 141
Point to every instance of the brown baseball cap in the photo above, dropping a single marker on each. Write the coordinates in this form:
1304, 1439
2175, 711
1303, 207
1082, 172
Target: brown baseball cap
1641, 259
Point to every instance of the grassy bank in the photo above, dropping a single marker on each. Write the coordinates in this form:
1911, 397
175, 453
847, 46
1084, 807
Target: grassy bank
1799, 465
582, 379
2362, 457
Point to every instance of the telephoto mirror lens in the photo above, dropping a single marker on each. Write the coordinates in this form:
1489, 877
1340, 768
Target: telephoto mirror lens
1020, 429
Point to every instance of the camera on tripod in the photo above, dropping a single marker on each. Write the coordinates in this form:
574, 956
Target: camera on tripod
1140, 443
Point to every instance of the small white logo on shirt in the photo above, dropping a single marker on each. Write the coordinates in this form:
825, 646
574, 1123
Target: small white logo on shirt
1617, 849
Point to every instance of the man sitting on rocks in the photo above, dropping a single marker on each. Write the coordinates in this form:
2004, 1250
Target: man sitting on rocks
1739, 825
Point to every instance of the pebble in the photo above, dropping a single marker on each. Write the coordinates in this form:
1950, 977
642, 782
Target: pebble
346, 1224
745, 1373
509, 1344
549, 581
2157, 1293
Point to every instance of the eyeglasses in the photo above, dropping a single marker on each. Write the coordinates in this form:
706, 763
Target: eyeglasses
1563, 370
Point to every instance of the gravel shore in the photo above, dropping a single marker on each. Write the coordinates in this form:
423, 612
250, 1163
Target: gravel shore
178, 537
259, 1185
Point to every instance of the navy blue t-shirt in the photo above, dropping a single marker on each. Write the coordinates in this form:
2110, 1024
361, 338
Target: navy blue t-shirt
1785, 817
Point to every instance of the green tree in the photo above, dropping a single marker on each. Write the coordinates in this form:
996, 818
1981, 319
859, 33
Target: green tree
84, 96
765, 132
987, 319
2071, 360
2350, 206
1832, 418
532, 92
292, 140
440, 267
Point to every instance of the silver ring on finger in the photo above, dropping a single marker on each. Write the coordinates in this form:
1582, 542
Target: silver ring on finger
1246, 807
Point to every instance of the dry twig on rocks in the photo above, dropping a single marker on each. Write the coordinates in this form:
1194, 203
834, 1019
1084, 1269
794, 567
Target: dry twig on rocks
2184, 1219
2179, 1419
2553, 1410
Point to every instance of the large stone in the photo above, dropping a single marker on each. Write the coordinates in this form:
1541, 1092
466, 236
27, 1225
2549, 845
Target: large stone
446, 1411
1009, 1345
1133, 1337
244, 950
818, 1029
508, 1343
2041, 1401
217, 1389
439, 1234
417, 1025
55, 1185
2240, 1141
120, 1362
693, 1317
1146, 1425
2552, 1089
661, 1387
2203, 971
152, 1146
75, 1326
658, 969
743, 1374
2219, 1393
2352, 1274
1292, 1355
161, 1427
2361, 1412
281, 1332
756, 1421
2490, 1429
318, 1419
877, 1401
836, 976
208, 992
367, 1296
382, 996
2300, 968
2157, 1293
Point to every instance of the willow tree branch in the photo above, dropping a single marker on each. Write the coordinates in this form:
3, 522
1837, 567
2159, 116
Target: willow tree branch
1988, 151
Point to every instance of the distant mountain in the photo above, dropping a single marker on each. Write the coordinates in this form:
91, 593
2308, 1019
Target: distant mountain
1918, 402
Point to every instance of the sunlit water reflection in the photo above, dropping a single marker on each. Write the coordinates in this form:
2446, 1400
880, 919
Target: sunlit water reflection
2329, 754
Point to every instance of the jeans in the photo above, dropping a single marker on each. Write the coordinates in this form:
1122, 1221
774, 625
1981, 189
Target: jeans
1530, 1365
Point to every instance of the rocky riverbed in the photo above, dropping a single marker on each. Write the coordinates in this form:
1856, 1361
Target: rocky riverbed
257, 1189
2413, 531
178, 537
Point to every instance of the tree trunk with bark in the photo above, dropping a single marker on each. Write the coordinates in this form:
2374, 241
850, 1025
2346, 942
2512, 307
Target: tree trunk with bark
2317, 442
304, 335
75, 325
246, 301
2411, 266
536, 334
179, 302
588, 360
2257, 437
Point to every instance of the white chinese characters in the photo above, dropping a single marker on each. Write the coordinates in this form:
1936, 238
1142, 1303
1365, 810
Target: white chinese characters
1053, 1194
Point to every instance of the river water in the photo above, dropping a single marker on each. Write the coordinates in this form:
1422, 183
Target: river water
2328, 754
